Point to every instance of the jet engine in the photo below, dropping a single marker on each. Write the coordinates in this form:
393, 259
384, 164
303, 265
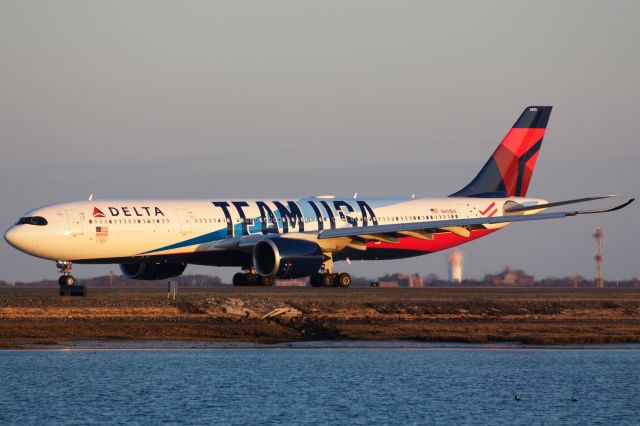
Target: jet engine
287, 258
152, 271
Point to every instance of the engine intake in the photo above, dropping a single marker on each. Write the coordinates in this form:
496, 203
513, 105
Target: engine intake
287, 258
152, 271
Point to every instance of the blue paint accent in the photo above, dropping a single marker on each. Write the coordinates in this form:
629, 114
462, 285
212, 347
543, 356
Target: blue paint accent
256, 228
237, 230
220, 234
307, 212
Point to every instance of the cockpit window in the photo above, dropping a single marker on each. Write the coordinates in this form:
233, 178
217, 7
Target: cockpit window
32, 220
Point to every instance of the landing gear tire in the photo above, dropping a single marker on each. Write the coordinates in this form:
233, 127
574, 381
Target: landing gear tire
344, 280
251, 279
238, 279
66, 280
329, 279
326, 280
266, 281
315, 279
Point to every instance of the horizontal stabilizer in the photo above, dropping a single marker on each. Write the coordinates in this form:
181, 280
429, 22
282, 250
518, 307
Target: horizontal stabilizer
519, 208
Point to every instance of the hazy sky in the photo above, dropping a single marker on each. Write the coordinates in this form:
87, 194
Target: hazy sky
285, 99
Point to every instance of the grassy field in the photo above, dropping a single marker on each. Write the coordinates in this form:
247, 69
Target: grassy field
476, 315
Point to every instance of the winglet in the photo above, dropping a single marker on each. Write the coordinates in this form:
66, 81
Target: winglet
610, 209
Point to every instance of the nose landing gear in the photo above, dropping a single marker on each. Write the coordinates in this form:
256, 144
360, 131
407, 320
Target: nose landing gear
67, 282
66, 279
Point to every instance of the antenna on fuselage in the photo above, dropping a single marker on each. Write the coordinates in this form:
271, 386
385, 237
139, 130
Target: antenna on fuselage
90, 197
413, 196
355, 195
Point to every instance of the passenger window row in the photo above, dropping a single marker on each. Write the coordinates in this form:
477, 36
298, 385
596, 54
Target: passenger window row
127, 221
250, 221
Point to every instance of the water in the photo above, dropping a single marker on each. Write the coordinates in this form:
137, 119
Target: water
450, 385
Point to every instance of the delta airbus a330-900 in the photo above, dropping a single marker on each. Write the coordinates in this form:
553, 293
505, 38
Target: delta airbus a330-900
292, 238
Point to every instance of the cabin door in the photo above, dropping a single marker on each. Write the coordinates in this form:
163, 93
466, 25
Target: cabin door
75, 222
185, 221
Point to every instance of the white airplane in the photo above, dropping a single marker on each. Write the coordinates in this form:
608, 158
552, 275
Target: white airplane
292, 238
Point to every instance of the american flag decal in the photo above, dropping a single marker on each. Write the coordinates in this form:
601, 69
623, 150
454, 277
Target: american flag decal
102, 232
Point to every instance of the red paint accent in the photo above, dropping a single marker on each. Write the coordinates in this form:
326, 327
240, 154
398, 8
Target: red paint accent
519, 140
508, 166
493, 212
514, 145
487, 209
440, 241
528, 172
97, 212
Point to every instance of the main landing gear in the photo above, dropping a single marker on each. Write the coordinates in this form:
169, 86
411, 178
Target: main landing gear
330, 279
250, 278
327, 278
66, 279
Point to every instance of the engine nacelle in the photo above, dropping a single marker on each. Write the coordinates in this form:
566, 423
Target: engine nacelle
152, 271
286, 258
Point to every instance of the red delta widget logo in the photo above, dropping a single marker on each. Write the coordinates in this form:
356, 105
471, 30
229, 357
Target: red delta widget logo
129, 211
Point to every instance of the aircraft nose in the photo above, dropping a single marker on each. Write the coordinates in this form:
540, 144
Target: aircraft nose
14, 237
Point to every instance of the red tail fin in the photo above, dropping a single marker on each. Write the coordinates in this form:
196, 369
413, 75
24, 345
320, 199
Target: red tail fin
509, 170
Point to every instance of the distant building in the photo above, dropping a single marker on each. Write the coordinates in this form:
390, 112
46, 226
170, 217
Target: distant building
299, 282
401, 280
510, 278
415, 280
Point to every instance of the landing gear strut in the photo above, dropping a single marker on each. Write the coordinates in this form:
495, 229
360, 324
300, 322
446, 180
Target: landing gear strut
250, 278
66, 279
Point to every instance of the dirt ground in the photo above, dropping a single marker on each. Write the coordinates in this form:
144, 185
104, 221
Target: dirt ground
474, 315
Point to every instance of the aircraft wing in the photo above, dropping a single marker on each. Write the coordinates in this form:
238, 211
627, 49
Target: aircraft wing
460, 226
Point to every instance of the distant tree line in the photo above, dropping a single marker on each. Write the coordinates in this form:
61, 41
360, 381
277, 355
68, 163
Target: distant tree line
508, 278
122, 281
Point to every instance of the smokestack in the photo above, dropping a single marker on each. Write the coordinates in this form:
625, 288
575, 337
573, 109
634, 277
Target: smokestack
599, 257
456, 260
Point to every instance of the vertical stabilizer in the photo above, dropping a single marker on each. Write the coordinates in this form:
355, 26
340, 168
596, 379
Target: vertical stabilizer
510, 168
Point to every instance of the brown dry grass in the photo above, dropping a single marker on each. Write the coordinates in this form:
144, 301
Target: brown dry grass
533, 316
